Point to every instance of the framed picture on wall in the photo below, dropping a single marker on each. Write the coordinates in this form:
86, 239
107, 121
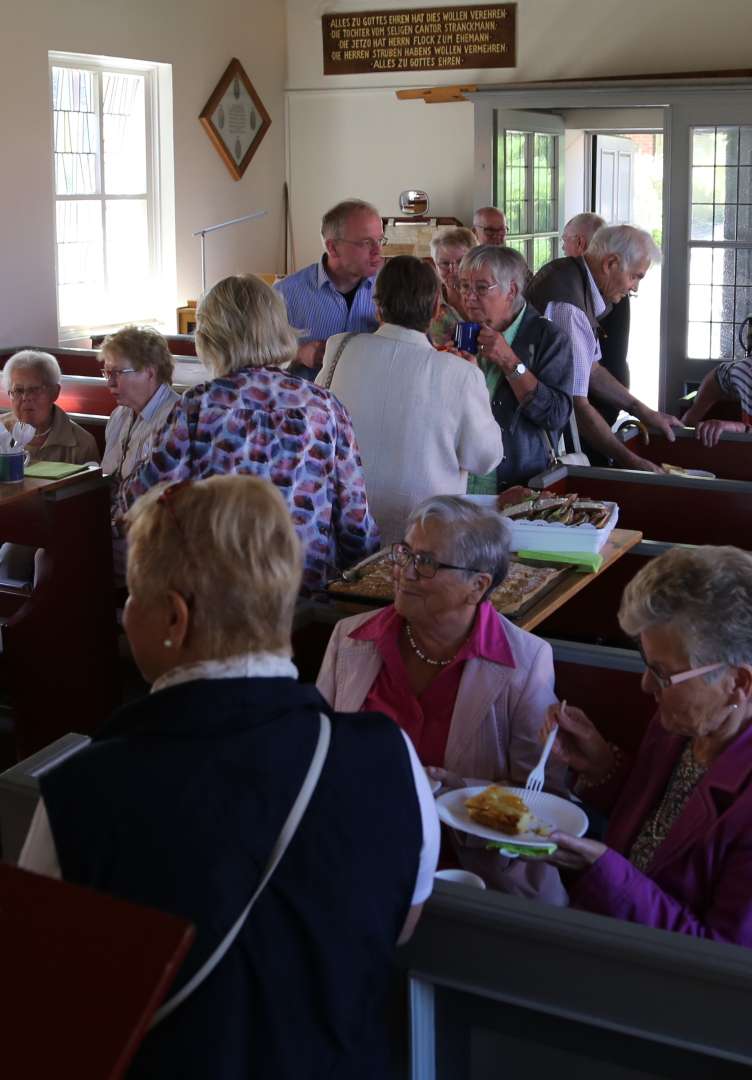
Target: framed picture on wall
235, 119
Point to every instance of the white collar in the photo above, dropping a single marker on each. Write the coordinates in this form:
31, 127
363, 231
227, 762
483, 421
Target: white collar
599, 304
263, 665
402, 333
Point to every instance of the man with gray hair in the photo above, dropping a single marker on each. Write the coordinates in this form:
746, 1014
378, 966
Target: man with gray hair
578, 232
334, 295
574, 292
490, 225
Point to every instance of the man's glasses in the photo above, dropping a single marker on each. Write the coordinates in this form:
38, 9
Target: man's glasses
492, 232
425, 565
480, 291
110, 374
373, 244
444, 265
19, 392
665, 681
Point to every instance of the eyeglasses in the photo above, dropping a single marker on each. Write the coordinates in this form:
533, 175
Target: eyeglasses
108, 374
19, 392
425, 565
480, 291
373, 244
492, 232
665, 681
444, 265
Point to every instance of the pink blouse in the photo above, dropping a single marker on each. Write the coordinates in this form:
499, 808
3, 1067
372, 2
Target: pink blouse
427, 718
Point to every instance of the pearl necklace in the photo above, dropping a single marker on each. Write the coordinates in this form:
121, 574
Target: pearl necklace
419, 652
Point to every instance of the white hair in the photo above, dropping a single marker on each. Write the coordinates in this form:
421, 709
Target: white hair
335, 220
631, 244
504, 264
476, 536
33, 358
585, 224
705, 593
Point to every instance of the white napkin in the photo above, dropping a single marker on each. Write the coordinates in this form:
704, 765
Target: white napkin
5, 439
22, 433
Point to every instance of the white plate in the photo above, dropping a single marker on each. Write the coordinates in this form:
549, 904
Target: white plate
549, 809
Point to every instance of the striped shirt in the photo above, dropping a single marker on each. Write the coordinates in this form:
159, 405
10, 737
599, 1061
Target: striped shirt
735, 380
585, 348
315, 307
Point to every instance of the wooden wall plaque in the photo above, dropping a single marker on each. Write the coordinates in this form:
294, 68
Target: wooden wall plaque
422, 39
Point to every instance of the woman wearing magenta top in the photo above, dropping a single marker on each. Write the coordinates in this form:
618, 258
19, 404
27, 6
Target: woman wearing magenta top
469, 688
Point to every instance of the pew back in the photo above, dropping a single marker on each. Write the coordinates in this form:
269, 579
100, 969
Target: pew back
731, 459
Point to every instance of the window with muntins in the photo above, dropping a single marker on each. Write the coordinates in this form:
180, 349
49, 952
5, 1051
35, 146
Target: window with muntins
527, 188
720, 240
107, 184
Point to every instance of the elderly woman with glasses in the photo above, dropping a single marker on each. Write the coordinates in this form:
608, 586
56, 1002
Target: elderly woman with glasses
678, 851
32, 380
181, 800
254, 417
469, 687
526, 361
448, 248
138, 367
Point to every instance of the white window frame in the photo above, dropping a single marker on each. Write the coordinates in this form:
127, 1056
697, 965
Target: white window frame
684, 104
160, 186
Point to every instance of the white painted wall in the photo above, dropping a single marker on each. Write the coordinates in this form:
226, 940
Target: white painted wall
349, 135
198, 40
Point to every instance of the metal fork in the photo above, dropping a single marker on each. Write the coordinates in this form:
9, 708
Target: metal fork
534, 782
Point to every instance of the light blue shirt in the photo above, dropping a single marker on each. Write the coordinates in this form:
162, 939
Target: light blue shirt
315, 307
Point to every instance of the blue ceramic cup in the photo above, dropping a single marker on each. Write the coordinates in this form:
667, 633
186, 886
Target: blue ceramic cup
466, 336
12, 464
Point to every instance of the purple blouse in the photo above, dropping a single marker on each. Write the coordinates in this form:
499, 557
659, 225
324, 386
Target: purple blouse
270, 424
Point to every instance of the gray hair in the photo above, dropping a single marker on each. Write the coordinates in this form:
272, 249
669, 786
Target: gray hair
585, 224
631, 244
33, 358
461, 237
705, 593
334, 220
504, 264
477, 536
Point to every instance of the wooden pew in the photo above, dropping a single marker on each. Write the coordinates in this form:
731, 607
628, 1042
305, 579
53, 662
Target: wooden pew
60, 641
178, 344
83, 975
731, 459
671, 509
71, 361
607, 684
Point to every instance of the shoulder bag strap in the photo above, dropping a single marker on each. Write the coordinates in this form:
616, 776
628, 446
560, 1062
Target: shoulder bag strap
283, 841
330, 373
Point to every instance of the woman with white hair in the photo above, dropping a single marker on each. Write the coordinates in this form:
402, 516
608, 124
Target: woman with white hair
526, 362
184, 798
31, 380
254, 417
678, 850
469, 687
447, 251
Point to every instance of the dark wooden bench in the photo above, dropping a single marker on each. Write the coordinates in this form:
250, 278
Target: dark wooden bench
178, 344
731, 459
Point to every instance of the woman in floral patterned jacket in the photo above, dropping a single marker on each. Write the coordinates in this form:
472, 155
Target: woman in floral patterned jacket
253, 417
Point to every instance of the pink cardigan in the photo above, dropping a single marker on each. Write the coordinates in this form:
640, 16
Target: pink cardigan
493, 735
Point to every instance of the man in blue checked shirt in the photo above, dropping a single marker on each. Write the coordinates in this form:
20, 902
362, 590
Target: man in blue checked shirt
334, 295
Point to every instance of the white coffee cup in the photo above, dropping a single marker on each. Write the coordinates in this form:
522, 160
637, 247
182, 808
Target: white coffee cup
461, 877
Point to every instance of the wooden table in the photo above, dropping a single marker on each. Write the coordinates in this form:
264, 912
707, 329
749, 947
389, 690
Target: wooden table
59, 656
619, 543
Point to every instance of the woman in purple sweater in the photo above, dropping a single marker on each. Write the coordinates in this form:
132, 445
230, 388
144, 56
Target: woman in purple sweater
678, 851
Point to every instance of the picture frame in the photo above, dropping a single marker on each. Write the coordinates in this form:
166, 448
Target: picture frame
235, 119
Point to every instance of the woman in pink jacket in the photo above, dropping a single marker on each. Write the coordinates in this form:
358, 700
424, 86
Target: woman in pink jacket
469, 688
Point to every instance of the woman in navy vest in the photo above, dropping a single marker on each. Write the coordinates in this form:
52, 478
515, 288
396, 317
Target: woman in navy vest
180, 799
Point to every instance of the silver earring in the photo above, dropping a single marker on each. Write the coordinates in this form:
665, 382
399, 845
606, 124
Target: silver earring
168, 645
734, 706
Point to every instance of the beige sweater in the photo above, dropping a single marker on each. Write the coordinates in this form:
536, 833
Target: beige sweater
422, 419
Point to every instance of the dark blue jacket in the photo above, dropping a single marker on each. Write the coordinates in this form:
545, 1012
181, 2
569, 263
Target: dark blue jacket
547, 351
177, 805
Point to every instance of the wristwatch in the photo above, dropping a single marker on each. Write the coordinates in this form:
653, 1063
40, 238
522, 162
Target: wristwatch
517, 370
